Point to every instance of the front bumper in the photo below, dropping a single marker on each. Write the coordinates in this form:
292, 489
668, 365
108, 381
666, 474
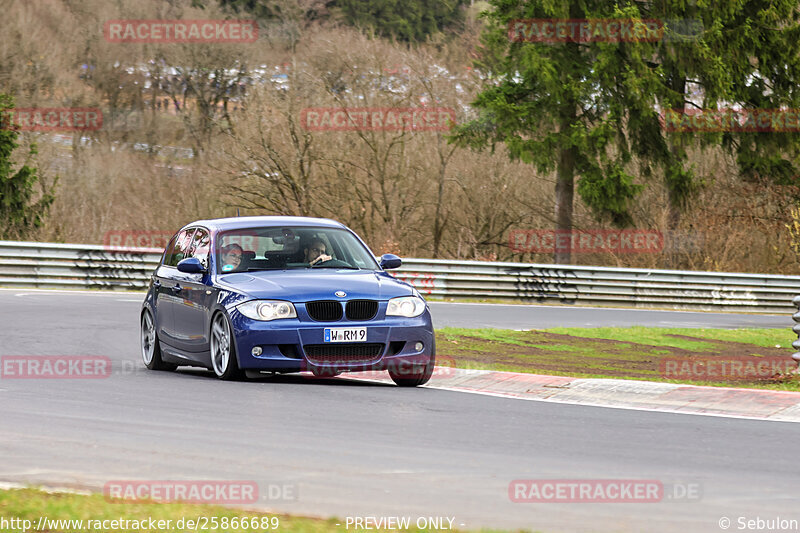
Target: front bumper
297, 344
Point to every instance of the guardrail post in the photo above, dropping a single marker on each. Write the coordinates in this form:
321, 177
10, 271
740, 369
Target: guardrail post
796, 329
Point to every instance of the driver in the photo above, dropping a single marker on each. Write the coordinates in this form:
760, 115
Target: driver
315, 252
231, 257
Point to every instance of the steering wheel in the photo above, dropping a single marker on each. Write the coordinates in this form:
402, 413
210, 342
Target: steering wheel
331, 263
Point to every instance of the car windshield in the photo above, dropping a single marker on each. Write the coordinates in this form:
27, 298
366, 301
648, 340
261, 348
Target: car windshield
284, 248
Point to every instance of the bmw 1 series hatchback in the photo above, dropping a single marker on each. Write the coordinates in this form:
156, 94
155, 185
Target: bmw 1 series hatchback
250, 295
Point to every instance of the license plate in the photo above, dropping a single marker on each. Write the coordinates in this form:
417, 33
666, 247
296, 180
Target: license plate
345, 334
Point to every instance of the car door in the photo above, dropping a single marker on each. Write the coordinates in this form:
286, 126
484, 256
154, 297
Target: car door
162, 306
167, 282
197, 296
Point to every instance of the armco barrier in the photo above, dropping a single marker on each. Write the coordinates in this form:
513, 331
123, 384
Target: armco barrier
43, 265
76, 266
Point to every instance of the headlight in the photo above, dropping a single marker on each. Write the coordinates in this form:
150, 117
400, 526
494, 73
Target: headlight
267, 309
408, 306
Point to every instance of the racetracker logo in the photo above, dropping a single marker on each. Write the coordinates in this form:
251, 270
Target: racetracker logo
181, 31
124, 239
731, 120
52, 119
585, 491
423, 282
377, 118
410, 367
586, 241
55, 367
726, 368
216, 492
585, 30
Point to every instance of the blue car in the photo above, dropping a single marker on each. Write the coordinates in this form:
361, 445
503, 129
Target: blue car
254, 295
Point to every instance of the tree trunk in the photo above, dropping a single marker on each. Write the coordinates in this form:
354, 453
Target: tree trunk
438, 226
674, 211
678, 84
565, 192
567, 158
675, 196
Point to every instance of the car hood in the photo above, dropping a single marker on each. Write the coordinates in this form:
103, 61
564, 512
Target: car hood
320, 284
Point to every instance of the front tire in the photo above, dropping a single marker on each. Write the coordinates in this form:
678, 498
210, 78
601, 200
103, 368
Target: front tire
413, 375
151, 350
223, 349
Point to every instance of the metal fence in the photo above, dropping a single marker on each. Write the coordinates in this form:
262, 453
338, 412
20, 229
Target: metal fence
77, 266
43, 265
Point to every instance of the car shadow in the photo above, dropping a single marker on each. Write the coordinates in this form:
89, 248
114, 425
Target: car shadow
294, 379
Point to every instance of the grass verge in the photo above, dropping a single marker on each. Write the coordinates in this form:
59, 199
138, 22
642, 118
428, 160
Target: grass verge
96, 515
32, 504
752, 358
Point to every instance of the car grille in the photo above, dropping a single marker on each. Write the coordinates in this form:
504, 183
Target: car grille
361, 309
324, 310
343, 353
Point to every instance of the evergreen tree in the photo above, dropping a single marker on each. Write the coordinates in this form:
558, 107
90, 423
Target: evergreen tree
573, 107
405, 20
745, 54
19, 214
591, 110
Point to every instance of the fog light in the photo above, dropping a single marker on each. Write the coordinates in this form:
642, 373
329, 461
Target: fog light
256, 351
419, 346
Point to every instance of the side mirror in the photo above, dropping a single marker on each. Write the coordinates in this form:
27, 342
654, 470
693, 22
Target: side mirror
191, 265
389, 261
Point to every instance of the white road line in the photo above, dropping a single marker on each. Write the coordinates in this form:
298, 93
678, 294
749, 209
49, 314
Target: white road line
540, 306
588, 404
49, 490
568, 402
66, 291
701, 313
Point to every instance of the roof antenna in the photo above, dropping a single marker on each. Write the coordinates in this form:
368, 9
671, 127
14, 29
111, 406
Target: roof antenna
237, 211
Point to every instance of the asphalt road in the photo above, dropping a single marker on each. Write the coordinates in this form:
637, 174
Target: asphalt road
353, 449
513, 316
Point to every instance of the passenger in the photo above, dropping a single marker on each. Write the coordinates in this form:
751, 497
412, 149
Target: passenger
231, 257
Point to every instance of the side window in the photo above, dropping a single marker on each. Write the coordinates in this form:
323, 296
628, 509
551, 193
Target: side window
181, 249
200, 246
168, 251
